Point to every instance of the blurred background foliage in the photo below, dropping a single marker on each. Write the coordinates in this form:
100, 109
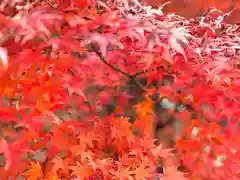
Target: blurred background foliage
194, 8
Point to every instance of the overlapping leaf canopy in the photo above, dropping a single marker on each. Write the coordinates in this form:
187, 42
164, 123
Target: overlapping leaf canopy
63, 62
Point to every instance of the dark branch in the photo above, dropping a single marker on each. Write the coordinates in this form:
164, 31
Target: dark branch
94, 48
108, 64
146, 71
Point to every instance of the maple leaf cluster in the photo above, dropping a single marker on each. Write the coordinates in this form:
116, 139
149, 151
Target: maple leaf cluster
64, 63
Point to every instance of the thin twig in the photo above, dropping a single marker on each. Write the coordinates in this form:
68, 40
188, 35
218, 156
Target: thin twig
142, 52
134, 51
93, 47
50, 4
146, 71
108, 64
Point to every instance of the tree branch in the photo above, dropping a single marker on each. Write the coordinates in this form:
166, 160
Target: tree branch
139, 51
94, 48
108, 64
146, 71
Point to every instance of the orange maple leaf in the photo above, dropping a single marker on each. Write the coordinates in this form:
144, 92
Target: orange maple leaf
34, 172
170, 173
57, 166
145, 117
62, 138
121, 129
142, 172
82, 171
86, 139
51, 178
123, 173
160, 152
82, 153
103, 165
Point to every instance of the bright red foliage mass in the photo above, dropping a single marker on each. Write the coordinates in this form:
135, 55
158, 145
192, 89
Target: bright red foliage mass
78, 86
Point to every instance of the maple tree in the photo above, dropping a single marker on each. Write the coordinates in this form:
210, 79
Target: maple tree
117, 89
